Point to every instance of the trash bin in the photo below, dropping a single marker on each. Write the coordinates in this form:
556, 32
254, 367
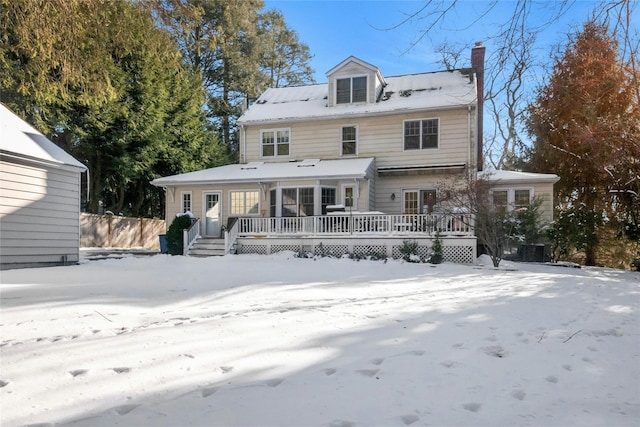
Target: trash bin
164, 247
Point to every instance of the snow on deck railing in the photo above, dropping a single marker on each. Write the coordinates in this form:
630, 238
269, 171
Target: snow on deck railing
360, 223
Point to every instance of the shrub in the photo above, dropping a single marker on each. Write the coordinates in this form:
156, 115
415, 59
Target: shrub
175, 235
436, 257
409, 251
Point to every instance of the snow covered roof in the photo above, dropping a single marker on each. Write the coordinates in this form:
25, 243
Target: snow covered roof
260, 171
508, 177
412, 92
20, 139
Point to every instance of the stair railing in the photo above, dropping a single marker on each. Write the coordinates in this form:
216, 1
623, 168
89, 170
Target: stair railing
230, 236
190, 235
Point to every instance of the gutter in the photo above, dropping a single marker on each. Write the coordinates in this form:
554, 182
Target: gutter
337, 116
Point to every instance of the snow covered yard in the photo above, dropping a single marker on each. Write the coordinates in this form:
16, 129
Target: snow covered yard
280, 341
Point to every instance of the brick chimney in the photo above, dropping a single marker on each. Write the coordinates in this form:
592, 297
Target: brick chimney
477, 63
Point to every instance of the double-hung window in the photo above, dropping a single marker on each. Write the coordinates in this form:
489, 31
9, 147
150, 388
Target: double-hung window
349, 141
421, 134
351, 89
275, 142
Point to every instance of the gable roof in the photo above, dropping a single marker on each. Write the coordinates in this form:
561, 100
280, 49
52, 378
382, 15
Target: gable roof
20, 139
261, 172
412, 92
358, 61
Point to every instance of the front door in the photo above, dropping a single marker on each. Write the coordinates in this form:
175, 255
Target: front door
212, 214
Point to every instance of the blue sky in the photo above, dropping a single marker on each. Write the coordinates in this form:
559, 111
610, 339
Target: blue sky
336, 29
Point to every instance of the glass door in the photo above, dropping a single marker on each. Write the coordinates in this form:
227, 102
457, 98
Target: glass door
212, 214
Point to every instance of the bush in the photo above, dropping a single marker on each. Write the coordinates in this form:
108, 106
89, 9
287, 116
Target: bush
409, 251
436, 257
175, 235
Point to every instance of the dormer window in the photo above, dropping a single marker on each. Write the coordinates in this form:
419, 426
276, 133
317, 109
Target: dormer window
351, 89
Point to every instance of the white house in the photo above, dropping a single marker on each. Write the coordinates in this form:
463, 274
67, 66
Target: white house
378, 147
39, 197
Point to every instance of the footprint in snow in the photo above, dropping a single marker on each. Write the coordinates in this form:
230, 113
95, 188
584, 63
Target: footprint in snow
495, 351
449, 364
206, 392
3, 383
552, 379
368, 372
274, 382
226, 369
567, 367
329, 371
121, 370
377, 361
125, 409
409, 419
472, 406
77, 372
518, 394
341, 423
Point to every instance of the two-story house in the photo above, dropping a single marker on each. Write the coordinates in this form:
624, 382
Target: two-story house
353, 165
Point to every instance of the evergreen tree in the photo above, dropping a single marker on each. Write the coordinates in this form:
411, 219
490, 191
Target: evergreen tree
142, 119
585, 128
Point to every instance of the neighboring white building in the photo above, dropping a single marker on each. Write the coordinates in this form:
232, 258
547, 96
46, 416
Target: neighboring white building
39, 198
379, 146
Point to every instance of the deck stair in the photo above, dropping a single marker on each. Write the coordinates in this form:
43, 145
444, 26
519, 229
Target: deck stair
206, 247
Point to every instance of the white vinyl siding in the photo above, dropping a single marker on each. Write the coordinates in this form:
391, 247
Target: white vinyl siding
39, 214
380, 137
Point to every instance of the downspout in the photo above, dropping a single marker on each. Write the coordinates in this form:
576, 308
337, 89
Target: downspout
470, 136
243, 144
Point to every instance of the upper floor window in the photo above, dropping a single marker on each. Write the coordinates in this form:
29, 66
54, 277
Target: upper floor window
275, 142
349, 140
421, 134
351, 89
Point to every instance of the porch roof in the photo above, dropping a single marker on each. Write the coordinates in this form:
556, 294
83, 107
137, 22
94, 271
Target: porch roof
265, 172
513, 177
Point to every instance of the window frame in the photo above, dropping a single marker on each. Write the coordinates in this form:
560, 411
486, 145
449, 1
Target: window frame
245, 207
182, 201
354, 141
419, 200
341, 92
511, 197
354, 200
276, 145
421, 134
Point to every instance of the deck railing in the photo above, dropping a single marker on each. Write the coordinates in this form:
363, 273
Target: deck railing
362, 224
